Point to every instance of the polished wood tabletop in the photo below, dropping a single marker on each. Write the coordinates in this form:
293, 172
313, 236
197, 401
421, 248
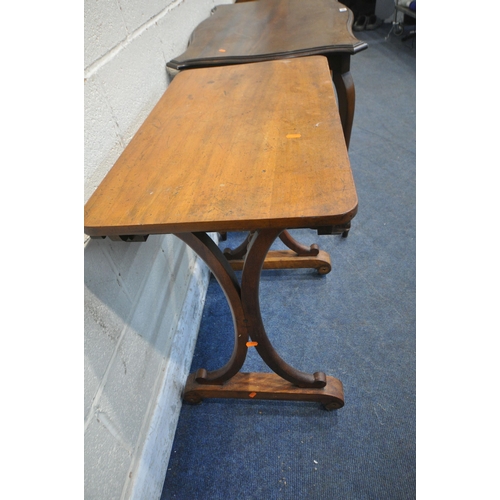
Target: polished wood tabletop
232, 148
270, 29
256, 147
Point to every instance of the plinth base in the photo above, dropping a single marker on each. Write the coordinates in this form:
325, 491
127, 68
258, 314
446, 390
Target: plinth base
266, 386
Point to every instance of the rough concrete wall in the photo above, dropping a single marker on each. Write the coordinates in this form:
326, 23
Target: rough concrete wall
143, 301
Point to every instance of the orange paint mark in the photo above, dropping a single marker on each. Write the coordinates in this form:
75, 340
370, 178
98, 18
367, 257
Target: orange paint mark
293, 136
252, 344
222, 50
252, 395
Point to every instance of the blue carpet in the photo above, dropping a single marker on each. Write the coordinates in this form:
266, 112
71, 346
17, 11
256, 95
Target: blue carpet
356, 323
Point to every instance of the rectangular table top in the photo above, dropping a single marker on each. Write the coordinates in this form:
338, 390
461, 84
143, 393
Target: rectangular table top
232, 148
270, 29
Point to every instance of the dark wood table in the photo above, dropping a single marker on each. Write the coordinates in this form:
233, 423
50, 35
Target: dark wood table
255, 147
276, 29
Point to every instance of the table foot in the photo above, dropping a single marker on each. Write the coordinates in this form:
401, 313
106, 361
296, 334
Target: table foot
268, 386
293, 259
288, 259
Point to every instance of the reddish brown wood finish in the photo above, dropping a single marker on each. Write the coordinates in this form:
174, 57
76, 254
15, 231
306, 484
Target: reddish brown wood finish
266, 386
276, 29
232, 148
299, 257
254, 147
288, 259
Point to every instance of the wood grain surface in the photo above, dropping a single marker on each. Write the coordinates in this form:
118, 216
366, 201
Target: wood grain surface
232, 148
270, 29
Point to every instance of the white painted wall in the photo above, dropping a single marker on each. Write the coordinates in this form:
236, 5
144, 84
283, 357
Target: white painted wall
143, 301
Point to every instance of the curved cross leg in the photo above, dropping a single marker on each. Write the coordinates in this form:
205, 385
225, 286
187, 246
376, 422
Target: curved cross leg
240, 251
206, 248
297, 247
286, 383
259, 246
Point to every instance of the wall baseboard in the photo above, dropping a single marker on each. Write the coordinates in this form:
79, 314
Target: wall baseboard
153, 461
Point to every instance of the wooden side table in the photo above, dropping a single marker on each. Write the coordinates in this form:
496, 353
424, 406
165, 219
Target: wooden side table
275, 29
255, 147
